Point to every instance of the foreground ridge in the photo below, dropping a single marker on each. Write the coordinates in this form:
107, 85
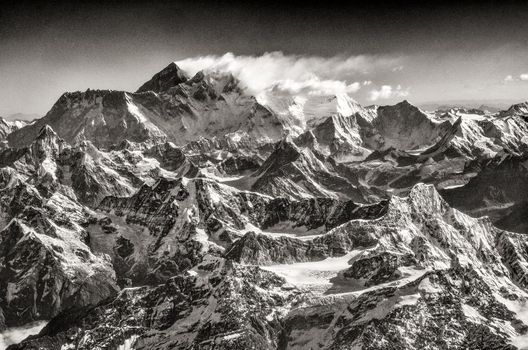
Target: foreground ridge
391, 272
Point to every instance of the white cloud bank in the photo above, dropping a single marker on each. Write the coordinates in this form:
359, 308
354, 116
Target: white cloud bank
315, 86
510, 78
387, 91
293, 74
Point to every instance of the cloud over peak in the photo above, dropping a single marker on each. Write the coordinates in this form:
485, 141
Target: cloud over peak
315, 86
510, 78
294, 74
387, 91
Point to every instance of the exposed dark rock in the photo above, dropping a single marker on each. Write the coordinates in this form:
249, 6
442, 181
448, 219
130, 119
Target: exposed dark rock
378, 268
169, 77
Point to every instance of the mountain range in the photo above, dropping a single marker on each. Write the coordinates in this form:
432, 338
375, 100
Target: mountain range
190, 214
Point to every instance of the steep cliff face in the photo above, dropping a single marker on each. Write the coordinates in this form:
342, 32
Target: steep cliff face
340, 137
403, 126
185, 219
104, 117
165, 79
88, 174
497, 191
47, 265
178, 110
302, 112
300, 172
221, 304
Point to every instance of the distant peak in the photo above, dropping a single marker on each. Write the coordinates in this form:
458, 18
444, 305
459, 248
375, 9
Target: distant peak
172, 66
168, 77
401, 106
171, 69
516, 109
405, 103
518, 106
46, 131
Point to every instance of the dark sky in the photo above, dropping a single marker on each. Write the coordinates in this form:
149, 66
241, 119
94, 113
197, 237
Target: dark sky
443, 50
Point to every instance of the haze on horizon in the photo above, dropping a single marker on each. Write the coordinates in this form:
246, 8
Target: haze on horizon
377, 52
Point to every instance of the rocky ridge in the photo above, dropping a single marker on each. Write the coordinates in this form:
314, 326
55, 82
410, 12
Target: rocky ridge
190, 214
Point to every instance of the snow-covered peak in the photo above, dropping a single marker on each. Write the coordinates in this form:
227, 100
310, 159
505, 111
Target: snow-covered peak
340, 104
170, 76
404, 126
8, 126
46, 132
424, 198
47, 143
305, 111
16, 124
516, 109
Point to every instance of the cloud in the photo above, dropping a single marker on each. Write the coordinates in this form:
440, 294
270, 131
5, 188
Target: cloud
387, 91
384, 92
510, 78
315, 86
311, 75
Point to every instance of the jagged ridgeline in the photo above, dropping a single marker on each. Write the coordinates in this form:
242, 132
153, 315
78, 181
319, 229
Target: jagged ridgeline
192, 215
